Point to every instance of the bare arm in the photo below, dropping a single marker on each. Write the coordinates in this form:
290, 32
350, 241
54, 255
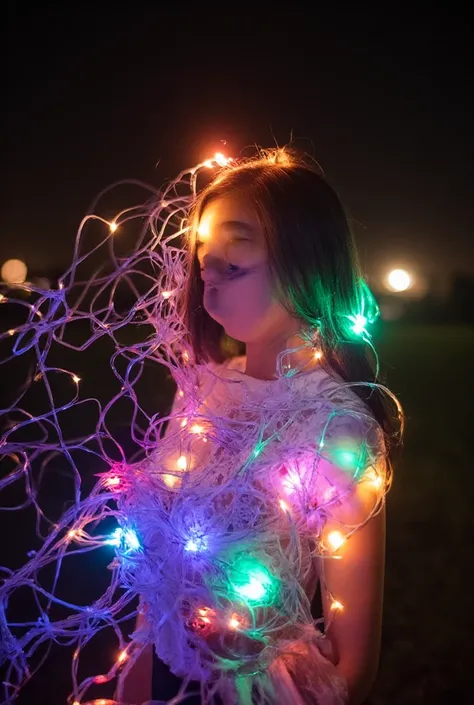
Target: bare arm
356, 582
137, 685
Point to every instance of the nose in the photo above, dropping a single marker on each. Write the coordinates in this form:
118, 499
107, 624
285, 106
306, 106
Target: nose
211, 277
208, 276
211, 269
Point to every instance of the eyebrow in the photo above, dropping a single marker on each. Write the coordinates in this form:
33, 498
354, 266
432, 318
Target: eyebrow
237, 225
233, 225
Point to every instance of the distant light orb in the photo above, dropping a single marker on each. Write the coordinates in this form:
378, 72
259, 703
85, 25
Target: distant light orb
399, 280
14, 271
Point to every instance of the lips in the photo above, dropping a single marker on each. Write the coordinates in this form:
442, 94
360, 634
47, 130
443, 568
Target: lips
210, 296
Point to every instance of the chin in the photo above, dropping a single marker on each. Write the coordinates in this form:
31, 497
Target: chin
237, 333
241, 333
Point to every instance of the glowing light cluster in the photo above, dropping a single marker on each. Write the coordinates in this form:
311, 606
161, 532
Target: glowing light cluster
218, 159
126, 538
252, 582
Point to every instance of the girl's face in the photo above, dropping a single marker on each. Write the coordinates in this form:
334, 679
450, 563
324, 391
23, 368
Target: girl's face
238, 292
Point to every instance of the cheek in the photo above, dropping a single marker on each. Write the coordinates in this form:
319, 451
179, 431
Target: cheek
245, 306
252, 294
255, 293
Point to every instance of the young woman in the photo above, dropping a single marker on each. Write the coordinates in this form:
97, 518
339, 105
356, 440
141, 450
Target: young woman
300, 420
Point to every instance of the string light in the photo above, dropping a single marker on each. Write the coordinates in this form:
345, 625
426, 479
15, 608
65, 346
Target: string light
233, 557
182, 462
221, 159
360, 323
171, 480
218, 159
127, 538
374, 478
122, 656
236, 622
292, 480
335, 540
196, 541
252, 582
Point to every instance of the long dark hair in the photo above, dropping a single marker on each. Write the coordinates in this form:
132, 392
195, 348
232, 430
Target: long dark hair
315, 268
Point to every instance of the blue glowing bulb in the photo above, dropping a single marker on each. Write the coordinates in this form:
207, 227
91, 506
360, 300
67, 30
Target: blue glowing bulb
124, 537
196, 544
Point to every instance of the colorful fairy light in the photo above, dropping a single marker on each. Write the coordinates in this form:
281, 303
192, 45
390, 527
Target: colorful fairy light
197, 542
336, 606
360, 323
124, 537
252, 582
236, 622
203, 537
335, 540
182, 462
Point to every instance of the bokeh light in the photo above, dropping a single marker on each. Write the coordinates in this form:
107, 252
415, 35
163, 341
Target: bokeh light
14, 271
399, 280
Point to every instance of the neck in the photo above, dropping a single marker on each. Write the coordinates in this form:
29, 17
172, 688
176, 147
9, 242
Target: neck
262, 356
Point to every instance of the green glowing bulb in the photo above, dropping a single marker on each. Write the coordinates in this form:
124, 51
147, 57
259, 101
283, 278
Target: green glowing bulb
349, 460
346, 459
360, 322
368, 312
252, 582
258, 449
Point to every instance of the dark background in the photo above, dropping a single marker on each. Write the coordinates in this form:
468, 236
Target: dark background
382, 99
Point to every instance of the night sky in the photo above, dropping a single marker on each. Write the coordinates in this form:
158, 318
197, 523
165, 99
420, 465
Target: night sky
381, 100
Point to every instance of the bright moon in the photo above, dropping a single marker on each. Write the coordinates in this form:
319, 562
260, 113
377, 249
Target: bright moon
399, 280
14, 271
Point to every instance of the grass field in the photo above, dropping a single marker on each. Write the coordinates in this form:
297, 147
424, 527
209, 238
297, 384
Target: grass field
428, 609
428, 605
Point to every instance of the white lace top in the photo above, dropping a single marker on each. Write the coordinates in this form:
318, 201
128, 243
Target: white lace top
247, 475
